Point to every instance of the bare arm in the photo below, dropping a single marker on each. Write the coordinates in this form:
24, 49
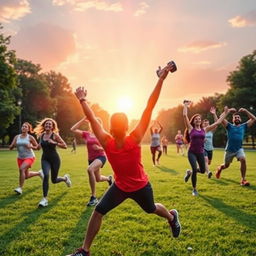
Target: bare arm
252, 117
142, 126
75, 127
185, 117
225, 122
34, 144
58, 141
98, 130
13, 144
161, 127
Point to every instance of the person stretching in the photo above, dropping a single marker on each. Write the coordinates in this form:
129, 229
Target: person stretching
155, 142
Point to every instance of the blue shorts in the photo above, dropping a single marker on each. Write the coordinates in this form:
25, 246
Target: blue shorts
103, 159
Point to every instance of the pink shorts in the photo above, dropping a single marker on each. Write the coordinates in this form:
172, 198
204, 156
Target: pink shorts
28, 161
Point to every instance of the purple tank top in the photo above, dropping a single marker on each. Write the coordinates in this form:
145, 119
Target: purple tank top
197, 138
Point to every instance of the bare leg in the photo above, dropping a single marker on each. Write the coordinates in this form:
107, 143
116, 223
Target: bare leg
243, 167
163, 212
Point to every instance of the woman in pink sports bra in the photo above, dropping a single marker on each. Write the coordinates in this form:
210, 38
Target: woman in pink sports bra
124, 155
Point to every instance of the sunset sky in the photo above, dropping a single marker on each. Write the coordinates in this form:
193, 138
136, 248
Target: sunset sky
113, 47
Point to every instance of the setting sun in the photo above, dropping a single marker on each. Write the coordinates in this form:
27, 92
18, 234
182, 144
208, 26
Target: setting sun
124, 104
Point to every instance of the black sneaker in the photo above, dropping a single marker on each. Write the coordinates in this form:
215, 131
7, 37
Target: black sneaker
80, 252
187, 175
110, 181
209, 175
175, 224
93, 201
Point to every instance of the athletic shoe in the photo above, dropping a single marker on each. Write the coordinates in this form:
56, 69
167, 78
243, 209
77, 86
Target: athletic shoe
218, 172
80, 252
209, 175
110, 181
175, 224
93, 201
194, 192
244, 183
157, 162
41, 174
187, 175
18, 190
43, 202
68, 180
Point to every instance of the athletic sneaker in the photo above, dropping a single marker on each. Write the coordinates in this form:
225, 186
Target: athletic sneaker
175, 224
93, 201
18, 190
43, 202
194, 192
80, 252
218, 172
110, 181
68, 180
209, 175
41, 174
187, 175
244, 183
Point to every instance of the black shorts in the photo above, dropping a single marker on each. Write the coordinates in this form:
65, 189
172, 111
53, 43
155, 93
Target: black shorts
208, 153
115, 196
154, 149
103, 159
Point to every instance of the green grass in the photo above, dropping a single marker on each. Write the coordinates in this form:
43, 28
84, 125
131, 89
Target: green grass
221, 221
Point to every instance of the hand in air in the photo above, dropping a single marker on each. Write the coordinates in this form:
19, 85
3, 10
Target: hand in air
213, 110
242, 110
81, 93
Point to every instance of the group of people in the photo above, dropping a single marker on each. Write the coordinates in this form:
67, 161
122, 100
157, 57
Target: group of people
123, 151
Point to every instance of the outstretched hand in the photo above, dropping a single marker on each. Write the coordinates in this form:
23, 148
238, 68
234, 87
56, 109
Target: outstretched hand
213, 110
81, 93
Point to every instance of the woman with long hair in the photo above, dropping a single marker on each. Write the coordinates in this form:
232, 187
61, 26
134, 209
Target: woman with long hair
96, 159
124, 155
48, 134
195, 135
25, 143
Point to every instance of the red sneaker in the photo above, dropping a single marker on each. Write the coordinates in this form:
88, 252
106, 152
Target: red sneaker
217, 174
244, 183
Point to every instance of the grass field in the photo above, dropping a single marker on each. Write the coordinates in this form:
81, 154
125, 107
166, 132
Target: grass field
221, 221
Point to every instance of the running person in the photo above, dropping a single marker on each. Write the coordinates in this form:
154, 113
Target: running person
25, 144
73, 146
124, 154
164, 145
47, 131
155, 145
179, 142
235, 134
96, 159
195, 135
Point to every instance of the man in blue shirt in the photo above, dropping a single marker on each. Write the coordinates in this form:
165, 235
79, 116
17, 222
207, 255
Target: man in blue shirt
235, 134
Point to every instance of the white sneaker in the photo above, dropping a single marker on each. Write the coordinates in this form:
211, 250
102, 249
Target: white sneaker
18, 190
68, 180
43, 202
194, 192
41, 174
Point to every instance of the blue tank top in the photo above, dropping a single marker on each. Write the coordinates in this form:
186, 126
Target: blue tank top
197, 138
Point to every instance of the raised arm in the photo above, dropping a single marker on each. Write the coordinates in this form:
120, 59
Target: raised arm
160, 127
252, 117
185, 116
75, 127
98, 130
225, 122
143, 124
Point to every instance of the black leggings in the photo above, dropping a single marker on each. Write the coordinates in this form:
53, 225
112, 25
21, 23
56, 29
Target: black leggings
50, 163
115, 196
193, 159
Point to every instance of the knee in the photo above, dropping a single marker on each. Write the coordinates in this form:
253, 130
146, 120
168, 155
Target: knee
54, 180
242, 160
97, 178
90, 170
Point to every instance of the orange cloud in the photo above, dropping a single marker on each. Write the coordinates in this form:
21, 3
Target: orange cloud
13, 10
142, 9
80, 6
45, 44
247, 20
200, 46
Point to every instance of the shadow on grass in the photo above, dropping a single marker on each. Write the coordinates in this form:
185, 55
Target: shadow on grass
165, 169
76, 236
20, 228
241, 217
219, 181
14, 197
238, 183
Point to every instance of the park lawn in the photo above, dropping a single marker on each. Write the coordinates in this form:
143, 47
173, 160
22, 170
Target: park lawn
220, 221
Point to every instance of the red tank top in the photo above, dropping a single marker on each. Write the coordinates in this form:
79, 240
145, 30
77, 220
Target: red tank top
126, 163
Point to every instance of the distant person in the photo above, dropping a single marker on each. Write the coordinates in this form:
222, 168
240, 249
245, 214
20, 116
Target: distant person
179, 142
155, 146
47, 131
165, 143
73, 146
124, 154
235, 134
96, 159
25, 143
195, 135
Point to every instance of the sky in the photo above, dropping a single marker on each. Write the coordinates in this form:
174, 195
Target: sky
113, 47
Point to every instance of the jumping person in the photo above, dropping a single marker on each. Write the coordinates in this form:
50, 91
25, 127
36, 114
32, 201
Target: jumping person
164, 144
47, 131
179, 142
195, 134
155, 145
235, 134
124, 154
25, 144
96, 159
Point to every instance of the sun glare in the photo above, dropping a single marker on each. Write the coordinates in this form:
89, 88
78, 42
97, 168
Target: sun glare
124, 104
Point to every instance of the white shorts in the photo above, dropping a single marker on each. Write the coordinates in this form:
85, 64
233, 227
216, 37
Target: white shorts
228, 156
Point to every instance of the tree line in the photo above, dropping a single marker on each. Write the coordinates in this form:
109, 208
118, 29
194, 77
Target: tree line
28, 94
